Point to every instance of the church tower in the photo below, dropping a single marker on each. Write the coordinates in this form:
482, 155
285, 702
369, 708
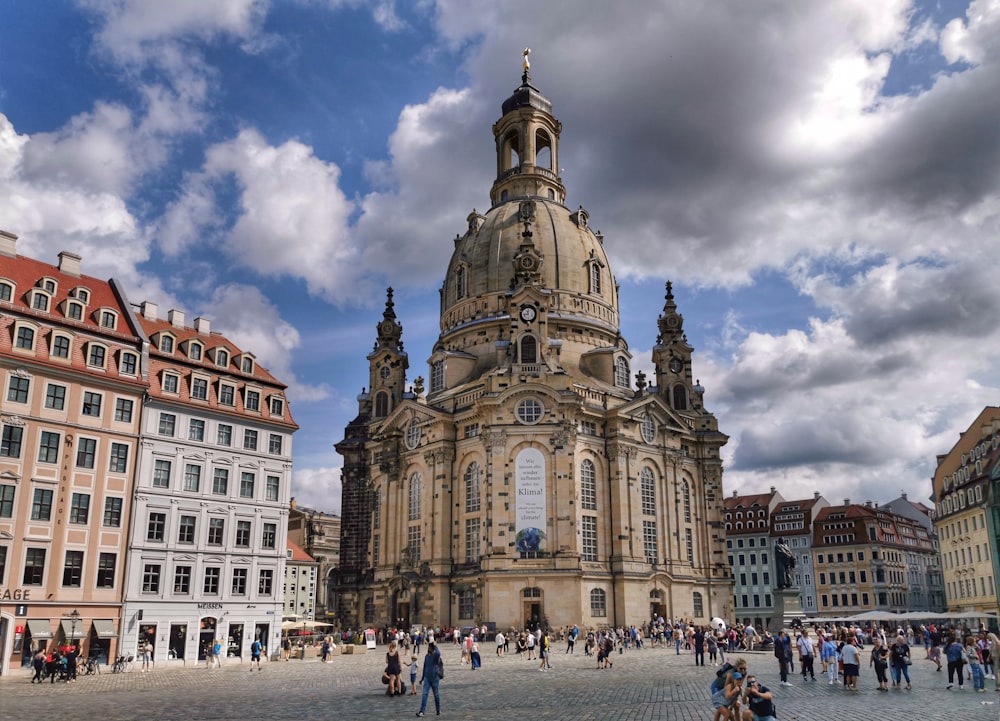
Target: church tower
535, 483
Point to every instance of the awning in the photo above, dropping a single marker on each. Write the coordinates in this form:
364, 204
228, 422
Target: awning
105, 628
39, 628
68, 632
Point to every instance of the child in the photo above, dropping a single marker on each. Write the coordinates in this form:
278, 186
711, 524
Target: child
413, 674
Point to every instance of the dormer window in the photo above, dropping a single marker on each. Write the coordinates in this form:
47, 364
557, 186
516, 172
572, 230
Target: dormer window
246, 364
108, 319
96, 355
595, 278
24, 338
49, 285
277, 406
128, 363
437, 376
81, 294
74, 310
60, 346
199, 389
222, 357
227, 395
6, 291
195, 351
39, 300
170, 382
461, 276
166, 344
251, 400
621, 372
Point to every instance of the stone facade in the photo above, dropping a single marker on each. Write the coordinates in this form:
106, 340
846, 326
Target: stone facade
533, 482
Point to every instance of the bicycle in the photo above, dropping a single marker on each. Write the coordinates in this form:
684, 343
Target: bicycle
123, 664
91, 667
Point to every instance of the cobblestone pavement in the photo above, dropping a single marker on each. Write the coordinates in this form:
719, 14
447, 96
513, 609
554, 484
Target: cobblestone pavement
646, 685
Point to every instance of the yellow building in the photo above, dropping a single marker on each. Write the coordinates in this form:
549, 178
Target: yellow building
533, 482
962, 504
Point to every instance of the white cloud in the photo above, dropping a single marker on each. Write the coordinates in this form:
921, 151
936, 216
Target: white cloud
318, 488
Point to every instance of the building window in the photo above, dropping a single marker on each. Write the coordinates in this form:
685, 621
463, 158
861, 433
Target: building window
243, 530
74, 311
528, 349
252, 401
265, 581
461, 291
413, 545
647, 485
170, 383
151, 578
156, 526
689, 544
199, 389
650, 545
161, 474
588, 530
529, 410
195, 351
471, 540
40, 301
92, 404
274, 444
588, 428
595, 277
73, 569
34, 567
686, 501
25, 338
277, 406
240, 581
123, 410
227, 395
128, 364
247, 482
6, 291
216, 531
680, 398
416, 491
192, 478
381, 404
621, 372
108, 319
96, 355
55, 397
213, 575
412, 434
118, 462
598, 603
588, 485
472, 479
271, 488
106, 565
17, 389
85, 451
41, 505
166, 344
167, 423
6, 503
375, 551
699, 608
268, 535
79, 509
249, 440
182, 580
437, 376
467, 604
10, 445
220, 481
225, 435
60, 346
648, 428
187, 529
48, 447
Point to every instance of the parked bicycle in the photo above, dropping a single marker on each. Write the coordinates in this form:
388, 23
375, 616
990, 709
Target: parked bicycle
91, 667
123, 664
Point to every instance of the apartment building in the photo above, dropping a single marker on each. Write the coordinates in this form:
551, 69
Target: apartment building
750, 552
793, 521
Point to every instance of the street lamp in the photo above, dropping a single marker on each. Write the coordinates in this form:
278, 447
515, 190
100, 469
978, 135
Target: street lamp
73, 618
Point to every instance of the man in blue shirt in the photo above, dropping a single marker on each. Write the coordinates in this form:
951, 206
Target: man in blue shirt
431, 678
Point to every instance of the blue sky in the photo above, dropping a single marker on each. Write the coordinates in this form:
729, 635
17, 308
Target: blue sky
819, 179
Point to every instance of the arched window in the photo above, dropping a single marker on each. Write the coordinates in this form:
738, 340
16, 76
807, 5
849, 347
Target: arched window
699, 609
416, 491
543, 150
598, 602
621, 372
460, 282
369, 610
472, 492
595, 277
381, 404
588, 486
437, 376
25, 338
511, 153
529, 349
686, 500
467, 604
680, 398
647, 487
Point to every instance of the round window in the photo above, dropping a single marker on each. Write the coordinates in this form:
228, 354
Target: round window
529, 411
648, 428
412, 435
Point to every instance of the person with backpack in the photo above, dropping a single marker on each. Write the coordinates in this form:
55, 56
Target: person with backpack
255, 650
726, 689
433, 672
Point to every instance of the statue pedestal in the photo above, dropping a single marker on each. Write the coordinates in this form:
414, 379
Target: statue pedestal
788, 607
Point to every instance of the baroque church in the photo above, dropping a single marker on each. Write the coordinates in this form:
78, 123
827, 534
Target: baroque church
531, 481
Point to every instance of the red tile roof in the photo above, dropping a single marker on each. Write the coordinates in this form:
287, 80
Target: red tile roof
298, 554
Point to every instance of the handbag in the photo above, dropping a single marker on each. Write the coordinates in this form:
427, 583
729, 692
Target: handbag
907, 661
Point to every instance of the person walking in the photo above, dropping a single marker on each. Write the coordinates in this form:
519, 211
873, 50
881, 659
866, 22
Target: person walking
852, 663
880, 661
256, 648
830, 657
807, 654
955, 652
501, 640
431, 678
217, 653
38, 663
899, 662
975, 661
393, 669
782, 652
413, 674
286, 647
